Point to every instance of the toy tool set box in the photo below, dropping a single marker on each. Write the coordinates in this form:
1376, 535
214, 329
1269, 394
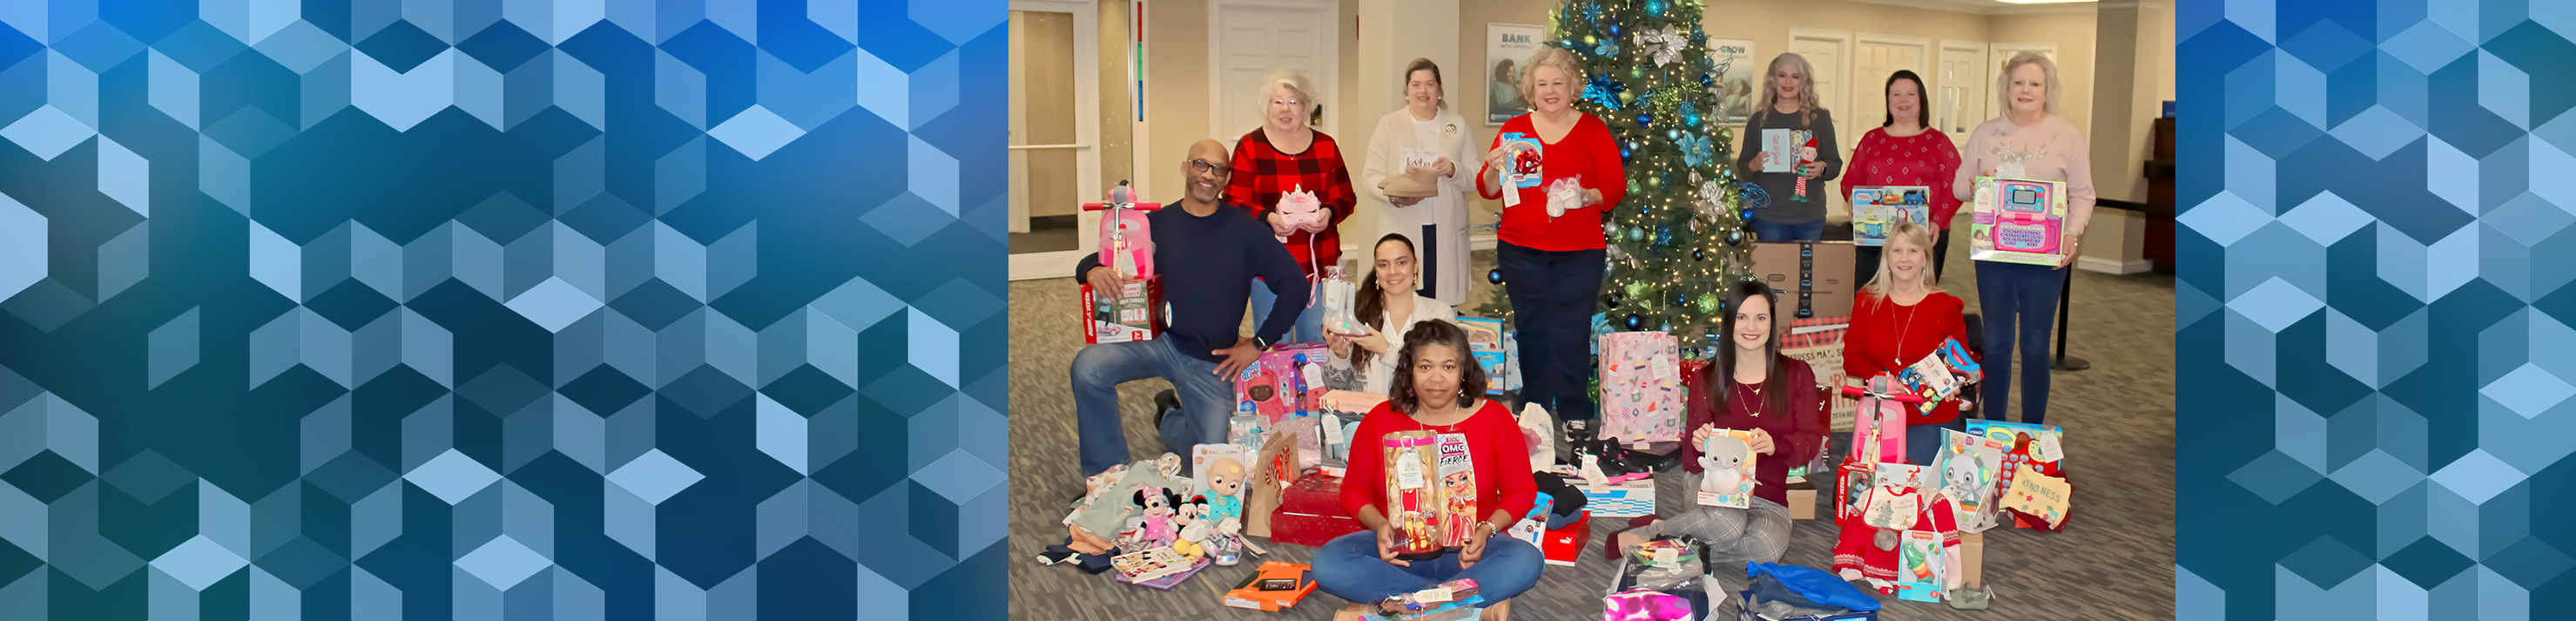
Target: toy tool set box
1877, 209
2018, 221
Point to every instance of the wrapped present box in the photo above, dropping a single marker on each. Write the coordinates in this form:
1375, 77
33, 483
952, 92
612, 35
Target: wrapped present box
1135, 314
1310, 512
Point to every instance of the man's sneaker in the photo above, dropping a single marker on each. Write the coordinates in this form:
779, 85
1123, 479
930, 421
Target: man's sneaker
1578, 431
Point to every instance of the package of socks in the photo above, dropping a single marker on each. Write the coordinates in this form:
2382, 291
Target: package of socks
2017, 221
1277, 386
1413, 489
1276, 586
1641, 396
1133, 314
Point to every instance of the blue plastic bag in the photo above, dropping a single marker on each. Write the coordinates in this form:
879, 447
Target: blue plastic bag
1816, 585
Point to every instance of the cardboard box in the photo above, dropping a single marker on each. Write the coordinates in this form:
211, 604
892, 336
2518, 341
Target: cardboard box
1972, 553
1564, 545
1134, 315
1802, 500
1631, 499
1814, 278
1248, 594
1310, 530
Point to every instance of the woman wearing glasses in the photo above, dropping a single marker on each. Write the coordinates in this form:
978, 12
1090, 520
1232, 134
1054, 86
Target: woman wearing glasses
1286, 155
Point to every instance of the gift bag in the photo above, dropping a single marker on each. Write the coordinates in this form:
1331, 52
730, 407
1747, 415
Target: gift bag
1641, 397
2039, 497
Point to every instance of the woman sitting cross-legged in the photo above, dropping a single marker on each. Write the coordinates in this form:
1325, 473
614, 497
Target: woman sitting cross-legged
1752, 387
1438, 388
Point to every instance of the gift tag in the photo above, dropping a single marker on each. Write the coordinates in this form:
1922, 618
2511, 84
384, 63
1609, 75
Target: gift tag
1332, 430
2045, 449
1668, 556
1433, 595
1408, 474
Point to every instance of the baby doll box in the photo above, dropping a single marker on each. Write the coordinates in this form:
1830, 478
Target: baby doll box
1136, 314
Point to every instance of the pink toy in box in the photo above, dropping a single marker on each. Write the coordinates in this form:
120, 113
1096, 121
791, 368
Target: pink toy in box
1285, 383
1641, 396
2017, 221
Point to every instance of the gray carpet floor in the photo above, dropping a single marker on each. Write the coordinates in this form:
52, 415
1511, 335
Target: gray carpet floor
2114, 560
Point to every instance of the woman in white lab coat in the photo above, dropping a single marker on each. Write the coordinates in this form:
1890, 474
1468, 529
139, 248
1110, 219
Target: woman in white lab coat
1439, 140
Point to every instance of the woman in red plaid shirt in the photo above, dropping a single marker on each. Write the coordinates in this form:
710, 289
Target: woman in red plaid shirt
1286, 155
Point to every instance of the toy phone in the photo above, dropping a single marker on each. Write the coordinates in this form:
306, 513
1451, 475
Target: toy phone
2022, 221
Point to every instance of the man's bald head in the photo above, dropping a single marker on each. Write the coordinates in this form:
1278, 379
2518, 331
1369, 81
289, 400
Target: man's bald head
1206, 185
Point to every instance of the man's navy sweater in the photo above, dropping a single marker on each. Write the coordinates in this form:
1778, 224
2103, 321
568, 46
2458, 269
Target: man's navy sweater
1207, 265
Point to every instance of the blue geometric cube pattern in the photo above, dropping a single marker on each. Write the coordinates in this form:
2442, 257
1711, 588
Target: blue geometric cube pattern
502, 309
2376, 253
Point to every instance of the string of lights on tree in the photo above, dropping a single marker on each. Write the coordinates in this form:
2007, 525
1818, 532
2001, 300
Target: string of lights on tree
1678, 241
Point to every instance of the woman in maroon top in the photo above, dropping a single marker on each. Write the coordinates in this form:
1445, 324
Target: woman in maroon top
1906, 151
1438, 388
1551, 255
1752, 387
1900, 318
1286, 155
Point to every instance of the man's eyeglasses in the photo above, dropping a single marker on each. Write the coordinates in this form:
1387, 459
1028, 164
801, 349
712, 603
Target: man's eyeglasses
1202, 167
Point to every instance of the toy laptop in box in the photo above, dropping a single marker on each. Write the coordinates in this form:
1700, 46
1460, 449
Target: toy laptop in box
1877, 209
2018, 221
1136, 314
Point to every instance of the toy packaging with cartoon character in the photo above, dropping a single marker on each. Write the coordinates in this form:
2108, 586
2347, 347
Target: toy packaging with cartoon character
1413, 492
1877, 209
1726, 469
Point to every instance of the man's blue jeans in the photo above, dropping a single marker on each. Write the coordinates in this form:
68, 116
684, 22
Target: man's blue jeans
1348, 567
1206, 399
1310, 320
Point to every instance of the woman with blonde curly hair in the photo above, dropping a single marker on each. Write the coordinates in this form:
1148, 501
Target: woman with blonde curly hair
1551, 250
1287, 155
1788, 103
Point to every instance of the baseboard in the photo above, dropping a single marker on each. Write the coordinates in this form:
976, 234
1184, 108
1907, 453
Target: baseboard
2109, 266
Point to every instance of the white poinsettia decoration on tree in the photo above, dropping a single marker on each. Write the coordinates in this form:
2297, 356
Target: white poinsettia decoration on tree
1665, 44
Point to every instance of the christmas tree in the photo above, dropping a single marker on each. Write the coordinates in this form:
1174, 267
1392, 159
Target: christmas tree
1677, 242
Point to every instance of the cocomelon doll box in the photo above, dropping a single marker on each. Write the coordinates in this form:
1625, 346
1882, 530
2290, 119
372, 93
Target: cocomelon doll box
2018, 221
1877, 209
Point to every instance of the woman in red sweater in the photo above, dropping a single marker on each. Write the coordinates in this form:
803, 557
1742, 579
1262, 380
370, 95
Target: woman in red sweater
1751, 387
1438, 388
1286, 155
1899, 319
1551, 252
1906, 151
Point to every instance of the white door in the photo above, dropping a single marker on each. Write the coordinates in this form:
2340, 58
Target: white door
1829, 51
1256, 37
1877, 57
1960, 88
1055, 134
2000, 53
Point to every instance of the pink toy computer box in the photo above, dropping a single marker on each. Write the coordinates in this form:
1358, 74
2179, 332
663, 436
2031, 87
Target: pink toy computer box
2018, 221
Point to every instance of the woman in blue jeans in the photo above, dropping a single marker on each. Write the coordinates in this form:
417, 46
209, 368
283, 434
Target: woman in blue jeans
1438, 388
2028, 142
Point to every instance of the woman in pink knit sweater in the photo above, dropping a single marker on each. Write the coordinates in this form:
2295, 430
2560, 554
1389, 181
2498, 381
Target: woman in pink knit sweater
2028, 142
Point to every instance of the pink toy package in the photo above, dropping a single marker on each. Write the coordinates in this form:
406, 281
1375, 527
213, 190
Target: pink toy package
2018, 221
1285, 383
1126, 238
1300, 208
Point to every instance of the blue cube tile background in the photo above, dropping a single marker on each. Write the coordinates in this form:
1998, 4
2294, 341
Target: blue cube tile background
2376, 259
500, 309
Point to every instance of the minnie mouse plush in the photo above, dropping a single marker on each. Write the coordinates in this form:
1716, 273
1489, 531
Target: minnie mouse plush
1159, 504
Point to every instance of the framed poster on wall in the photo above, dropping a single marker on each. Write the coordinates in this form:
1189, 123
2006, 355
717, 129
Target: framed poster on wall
1507, 47
1738, 74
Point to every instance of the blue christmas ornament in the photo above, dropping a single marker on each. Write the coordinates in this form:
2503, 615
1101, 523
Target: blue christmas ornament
1690, 114
1663, 236
1623, 154
1645, 119
1655, 7
1608, 47
1494, 276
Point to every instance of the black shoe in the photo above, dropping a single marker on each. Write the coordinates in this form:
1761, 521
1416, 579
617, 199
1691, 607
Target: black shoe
1578, 431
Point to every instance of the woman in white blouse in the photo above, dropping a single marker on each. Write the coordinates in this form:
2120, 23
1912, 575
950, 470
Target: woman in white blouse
1425, 134
1387, 305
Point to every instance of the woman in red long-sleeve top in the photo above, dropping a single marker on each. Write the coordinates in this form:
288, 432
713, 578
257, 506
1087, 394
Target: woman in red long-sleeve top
1751, 387
1551, 256
1286, 155
1438, 388
1898, 319
1906, 151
